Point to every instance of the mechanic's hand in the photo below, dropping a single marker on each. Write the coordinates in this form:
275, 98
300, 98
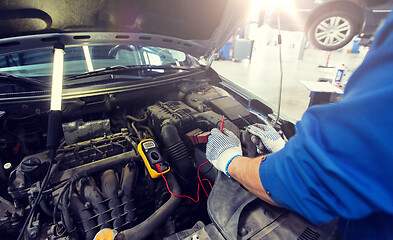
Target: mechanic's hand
268, 135
222, 148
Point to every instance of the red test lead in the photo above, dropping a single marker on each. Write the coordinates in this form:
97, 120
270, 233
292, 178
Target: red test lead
222, 124
199, 184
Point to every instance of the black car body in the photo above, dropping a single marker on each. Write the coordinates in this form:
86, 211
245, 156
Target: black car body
344, 19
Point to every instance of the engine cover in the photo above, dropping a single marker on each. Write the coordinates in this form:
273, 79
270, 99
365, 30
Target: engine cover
176, 112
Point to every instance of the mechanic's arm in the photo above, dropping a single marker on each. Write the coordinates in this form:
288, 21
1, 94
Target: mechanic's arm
246, 171
224, 152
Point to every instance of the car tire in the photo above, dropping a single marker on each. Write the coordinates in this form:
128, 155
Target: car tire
332, 30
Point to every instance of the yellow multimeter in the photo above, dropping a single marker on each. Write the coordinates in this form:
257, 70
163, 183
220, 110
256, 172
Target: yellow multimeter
151, 156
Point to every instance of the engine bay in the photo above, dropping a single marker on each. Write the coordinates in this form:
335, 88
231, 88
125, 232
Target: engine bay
100, 179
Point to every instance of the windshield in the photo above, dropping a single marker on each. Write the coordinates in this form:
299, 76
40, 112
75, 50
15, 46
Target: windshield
81, 59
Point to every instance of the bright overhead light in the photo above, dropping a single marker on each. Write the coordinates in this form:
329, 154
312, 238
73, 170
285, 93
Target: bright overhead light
57, 79
285, 4
271, 4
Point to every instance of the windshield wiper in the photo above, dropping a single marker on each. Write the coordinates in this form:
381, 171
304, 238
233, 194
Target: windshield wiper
120, 69
31, 83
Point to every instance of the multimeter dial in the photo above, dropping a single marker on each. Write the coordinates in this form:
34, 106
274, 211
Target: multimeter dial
151, 156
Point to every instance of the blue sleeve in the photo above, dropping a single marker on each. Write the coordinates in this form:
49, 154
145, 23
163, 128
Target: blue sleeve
340, 162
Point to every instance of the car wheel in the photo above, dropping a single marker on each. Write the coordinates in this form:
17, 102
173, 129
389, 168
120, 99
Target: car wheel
332, 30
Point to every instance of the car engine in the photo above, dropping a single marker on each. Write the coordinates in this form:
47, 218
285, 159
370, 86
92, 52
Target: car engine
99, 179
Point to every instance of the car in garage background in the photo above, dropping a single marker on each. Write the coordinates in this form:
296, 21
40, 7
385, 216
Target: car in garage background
329, 25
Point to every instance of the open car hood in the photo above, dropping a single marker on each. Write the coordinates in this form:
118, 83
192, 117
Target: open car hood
194, 27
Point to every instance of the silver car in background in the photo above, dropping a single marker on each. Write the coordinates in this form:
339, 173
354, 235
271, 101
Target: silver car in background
328, 24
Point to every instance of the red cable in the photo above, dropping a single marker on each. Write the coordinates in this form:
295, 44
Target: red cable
185, 196
166, 182
200, 181
205, 179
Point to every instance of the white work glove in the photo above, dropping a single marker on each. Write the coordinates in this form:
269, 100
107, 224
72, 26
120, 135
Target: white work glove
222, 148
268, 135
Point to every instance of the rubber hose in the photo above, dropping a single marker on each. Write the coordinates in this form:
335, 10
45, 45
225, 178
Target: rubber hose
43, 205
66, 213
132, 118
45, 208
179, 157
147, 227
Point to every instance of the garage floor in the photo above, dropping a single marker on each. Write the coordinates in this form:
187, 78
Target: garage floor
261, 76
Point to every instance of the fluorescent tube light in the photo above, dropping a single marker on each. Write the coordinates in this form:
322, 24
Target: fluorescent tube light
57, 80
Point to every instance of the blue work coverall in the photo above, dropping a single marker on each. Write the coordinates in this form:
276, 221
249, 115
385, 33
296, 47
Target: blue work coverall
339, 164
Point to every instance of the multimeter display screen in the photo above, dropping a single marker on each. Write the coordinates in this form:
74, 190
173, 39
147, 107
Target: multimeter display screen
148, 145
